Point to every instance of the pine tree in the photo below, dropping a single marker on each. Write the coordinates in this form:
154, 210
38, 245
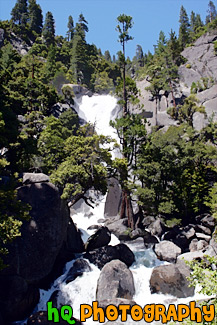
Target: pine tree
107, 56
184, 27
139, 56
48, 31
211, 12
198, 22
35, 17
20, 13
192, 21
81, 27
70, 32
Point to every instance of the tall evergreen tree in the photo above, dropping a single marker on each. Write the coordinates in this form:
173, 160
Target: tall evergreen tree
20, 13
48, 31
107, 56
192, 21
139, 56
184, 27
70, 31
211, 12
35, 17
124, 24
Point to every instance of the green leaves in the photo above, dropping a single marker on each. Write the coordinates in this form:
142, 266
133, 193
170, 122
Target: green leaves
175, 166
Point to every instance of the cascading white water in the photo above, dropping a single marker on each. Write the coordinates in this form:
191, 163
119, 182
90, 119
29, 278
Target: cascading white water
99, 110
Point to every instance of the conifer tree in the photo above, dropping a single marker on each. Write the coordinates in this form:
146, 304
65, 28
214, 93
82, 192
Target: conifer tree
70, 32
211, 12
19, 13
184, 27
48, 31
139, 56
107, 56
35, 17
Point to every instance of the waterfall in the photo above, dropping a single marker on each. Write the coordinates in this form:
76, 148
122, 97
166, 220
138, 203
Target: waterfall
99, 110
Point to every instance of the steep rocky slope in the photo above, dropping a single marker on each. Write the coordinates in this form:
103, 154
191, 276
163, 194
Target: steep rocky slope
201, 63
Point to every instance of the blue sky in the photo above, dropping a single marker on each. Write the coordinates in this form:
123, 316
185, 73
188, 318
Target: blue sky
149, 16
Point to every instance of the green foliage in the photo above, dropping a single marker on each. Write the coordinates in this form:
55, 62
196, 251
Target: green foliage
12, 212
35, 17
19, 12
173, 169
212, 200
70, 32
126, 24
103, 83
48, 31
184, 28
83, 166
185, 112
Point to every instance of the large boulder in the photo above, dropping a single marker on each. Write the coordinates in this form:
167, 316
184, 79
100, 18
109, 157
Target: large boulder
167, 251
113, 198
171, 279
33, 255
119, 227
106, 254
99, 239
38, 256
115, 281
157, 228
31, 178
149, 239
17, 295
79, 267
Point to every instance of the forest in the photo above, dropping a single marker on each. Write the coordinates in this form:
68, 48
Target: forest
172, 174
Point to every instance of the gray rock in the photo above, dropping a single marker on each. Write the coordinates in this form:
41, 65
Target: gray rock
31, 178
190, 256
203, 229
208, 221
119, 228
167, 251
147, 221
149, 240
99, 239
203, 236
197, 245
171, 279
116, 302
136, 233
157, 228
79, 267
115, 281
106, 254
113, 198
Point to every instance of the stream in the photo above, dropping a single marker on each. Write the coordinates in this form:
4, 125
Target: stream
99, 110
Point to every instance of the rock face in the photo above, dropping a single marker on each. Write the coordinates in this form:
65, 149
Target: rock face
171, 279
106, 254
48, 240
115, 281
99, 239
167, 251
201, 62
